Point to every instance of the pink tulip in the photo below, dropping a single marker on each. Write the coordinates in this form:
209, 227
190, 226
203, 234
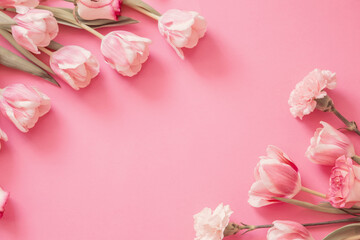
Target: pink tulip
303, 98
328, 144
3, 136
23, 105
34, 29
210, 225
344, 191
125, 51
182, 29
100, 9
22, 6
3, 199
276, 176
75, 65
288, 230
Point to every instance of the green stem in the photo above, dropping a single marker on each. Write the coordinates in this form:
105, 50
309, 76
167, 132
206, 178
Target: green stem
234, 228
356, 159
351, 125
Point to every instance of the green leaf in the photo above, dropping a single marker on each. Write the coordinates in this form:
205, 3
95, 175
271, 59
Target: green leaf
10, 59
348, 232
319, 208
100, 23
54, 45
6, 21
65, 16
60, 13
141, 4
24, 52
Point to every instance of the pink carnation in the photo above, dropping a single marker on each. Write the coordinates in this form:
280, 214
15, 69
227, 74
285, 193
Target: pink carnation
302, 99
210, 225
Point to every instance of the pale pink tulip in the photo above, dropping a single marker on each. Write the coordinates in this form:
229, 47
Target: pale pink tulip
23, 105
34, 29
125, 51
210, 225
3, 136
328, 144
75, 65
22, 6
100, 9
182, 29
303, 98
276, 176
3, 199
288, 230
344, 191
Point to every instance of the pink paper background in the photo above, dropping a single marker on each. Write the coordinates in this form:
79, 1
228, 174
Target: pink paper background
136, 158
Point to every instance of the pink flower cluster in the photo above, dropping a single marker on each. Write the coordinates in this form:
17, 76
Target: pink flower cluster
210, 225
123, 51
277, 178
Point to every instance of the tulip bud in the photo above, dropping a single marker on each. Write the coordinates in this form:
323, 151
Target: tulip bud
23, 105
125, 51
34, 29
75, 65
182, 29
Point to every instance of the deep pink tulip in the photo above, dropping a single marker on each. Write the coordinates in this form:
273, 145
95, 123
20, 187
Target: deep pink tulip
276, 176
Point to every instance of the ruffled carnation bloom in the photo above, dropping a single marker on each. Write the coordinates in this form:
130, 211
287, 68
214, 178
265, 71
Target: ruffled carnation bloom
182, 29
34, 29
303, 98
344, 184
22, 6
210, 225
288, 230
125, 51
75, 65
23, 105
328, 144
276, 176
3, 199
100, 9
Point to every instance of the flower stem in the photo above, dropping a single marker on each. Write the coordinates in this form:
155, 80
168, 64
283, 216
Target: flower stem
90, 30
45, 50
313, 192
143, 11
234, 228
351, 126
356, 159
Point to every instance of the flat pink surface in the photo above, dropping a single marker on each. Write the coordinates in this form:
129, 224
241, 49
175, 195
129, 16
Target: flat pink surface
135, 158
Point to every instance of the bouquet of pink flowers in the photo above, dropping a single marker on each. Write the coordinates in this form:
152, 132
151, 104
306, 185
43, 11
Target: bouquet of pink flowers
34, 28
277, 178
